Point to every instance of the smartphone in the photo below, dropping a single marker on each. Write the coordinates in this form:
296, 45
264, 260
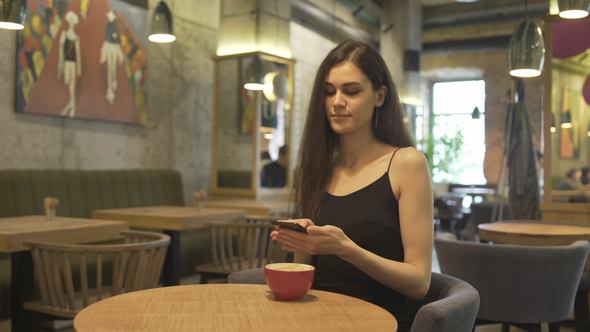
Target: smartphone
290, 225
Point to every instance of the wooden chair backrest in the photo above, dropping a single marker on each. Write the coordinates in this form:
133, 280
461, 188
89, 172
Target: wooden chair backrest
135, 264
244, 244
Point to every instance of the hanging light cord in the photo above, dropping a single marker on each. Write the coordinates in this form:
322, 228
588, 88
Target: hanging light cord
526, 9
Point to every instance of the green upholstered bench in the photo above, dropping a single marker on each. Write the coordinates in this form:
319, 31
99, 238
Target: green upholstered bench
234, 179
82, 191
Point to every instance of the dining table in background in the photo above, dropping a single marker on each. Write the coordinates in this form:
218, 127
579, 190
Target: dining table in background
474, 192
171, 220
15, 231
231, 307
263, 207
532, 233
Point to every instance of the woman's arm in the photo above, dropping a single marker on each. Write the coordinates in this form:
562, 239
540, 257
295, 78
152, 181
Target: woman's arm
411, 181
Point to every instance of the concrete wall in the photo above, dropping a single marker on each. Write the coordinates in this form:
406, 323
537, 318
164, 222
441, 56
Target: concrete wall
490, 66
307, 60
177, 136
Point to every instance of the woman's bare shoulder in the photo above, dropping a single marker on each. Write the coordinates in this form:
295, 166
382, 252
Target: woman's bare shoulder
409, 157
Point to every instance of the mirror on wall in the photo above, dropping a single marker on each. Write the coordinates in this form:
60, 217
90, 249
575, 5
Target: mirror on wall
568, 117
251, 124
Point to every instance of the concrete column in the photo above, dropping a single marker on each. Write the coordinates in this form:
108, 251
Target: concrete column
401, 30
255, 25
181, 92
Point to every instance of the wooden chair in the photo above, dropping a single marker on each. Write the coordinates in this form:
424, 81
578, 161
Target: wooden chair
239, 245
135, 264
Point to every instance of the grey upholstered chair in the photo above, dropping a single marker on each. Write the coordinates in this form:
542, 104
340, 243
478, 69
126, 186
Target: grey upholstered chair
581, 306
251, 276
521, 285
449, 306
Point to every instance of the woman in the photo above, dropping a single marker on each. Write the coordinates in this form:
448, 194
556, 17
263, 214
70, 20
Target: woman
364, 195
69, 63
112, 54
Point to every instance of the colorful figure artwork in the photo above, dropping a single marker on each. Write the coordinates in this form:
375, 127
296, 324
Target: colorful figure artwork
84, 59
69, 65
112, 55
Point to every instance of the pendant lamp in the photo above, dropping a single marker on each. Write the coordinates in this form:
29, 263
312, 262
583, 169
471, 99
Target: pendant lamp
12, 14
162, 27
476, 113
566, 120
572, 9
526, 53
255, 75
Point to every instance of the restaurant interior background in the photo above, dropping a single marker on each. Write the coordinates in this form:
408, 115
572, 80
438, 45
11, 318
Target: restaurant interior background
423, 42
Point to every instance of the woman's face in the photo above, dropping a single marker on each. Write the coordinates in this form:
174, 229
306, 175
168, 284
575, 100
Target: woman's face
350, 99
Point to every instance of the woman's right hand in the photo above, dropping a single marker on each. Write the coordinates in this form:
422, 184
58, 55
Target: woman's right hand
302, 222
319, 240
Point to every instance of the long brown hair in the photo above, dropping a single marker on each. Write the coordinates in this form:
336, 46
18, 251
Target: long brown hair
319, 142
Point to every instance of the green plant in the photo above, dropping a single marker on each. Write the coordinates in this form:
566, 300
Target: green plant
443, 154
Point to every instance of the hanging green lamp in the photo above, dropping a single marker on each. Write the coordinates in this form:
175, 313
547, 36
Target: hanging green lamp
526, 53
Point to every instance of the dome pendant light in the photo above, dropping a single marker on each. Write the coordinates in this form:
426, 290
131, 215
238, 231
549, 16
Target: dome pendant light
162, 27
12, 14
255, 75
526, 53
572, 9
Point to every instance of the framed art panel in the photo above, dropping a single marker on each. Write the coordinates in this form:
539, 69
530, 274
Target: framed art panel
84, 59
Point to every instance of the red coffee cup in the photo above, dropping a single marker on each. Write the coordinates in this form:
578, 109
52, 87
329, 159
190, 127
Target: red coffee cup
289, 281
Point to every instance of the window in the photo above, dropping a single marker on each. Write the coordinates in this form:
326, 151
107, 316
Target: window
457, 138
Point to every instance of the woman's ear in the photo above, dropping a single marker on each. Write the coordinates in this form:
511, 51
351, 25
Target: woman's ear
381, 94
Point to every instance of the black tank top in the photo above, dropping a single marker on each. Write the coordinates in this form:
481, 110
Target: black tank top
370, 218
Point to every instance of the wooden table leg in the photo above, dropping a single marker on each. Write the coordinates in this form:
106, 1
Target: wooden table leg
171, 271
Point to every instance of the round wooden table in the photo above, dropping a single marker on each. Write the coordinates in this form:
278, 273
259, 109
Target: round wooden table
225, 307
532, 233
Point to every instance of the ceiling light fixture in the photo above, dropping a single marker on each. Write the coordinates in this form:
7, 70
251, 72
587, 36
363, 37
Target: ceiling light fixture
566, 120
573, 9
12, 14
476, 113
255, 75
162, 28
526, 53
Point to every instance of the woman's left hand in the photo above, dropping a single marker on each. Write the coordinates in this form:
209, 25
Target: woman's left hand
319, 240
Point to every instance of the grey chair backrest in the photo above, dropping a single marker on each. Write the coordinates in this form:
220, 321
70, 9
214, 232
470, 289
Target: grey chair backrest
450, 305
518, 284
251, 276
